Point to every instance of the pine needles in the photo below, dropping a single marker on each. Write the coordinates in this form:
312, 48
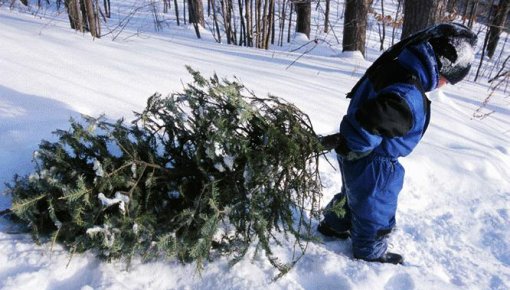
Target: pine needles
213, 169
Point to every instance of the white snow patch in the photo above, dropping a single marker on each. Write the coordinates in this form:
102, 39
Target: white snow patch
121, 199
98, 168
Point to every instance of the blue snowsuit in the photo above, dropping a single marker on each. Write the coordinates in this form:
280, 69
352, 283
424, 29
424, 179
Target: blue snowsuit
386, 119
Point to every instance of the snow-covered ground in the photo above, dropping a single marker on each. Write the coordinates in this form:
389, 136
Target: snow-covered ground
454, 212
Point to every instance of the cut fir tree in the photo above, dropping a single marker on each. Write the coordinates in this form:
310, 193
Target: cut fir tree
213, 169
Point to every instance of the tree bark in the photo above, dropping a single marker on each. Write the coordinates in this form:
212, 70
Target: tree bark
269, 26
450, 6
421, 14
396, 19
473, 13
196, 12
242, 29
303, 17
92, 19
497, 25
326, 16
249, 26
75, 15
355, 25
290, 21
177, 12
383, 37
107, 10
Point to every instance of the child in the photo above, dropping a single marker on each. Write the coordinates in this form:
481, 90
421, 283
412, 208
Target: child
387, 116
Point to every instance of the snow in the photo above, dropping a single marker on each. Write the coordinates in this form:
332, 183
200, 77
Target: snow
454, 211
98, 168
465, 53
120, 199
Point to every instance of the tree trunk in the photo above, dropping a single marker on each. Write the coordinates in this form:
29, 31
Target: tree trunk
396, 19
242, 29
258, 27
465, 13
283, 15
421, 14
215, 20
497, 25
176, 7
291, 10
355, 25
74, 12
196, 12
265, 23
303, 17
269, 23
450, 6
383, 37
249, 26
92, 19
473, 13
226, 20
326, 16
485, 41
107, 12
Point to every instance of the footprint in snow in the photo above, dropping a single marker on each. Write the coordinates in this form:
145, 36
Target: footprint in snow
501, 149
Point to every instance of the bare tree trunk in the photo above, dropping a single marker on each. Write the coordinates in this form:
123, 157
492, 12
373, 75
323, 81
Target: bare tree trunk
396, 19
196, 12
326, 16
70, 6
196, 15
273, 26
242, 33
485, 42
465, 13
303, 16
177, 12
421, 14
482, 56
98, 19
450, 6
383, 26
215, 20
497, 25
473, 13
249, 25
269, 23
233, 23
290, 20
184, 11
258, 31
107, 10
355, 25
265, 23
282, 23
166, 6
75, 13
227, 24
92, 18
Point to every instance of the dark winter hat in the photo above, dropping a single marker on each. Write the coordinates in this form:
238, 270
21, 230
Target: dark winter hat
454, 51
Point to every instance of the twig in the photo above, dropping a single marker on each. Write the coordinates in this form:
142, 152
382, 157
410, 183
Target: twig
304, 53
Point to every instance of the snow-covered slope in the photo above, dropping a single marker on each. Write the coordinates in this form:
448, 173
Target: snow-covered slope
454, 213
